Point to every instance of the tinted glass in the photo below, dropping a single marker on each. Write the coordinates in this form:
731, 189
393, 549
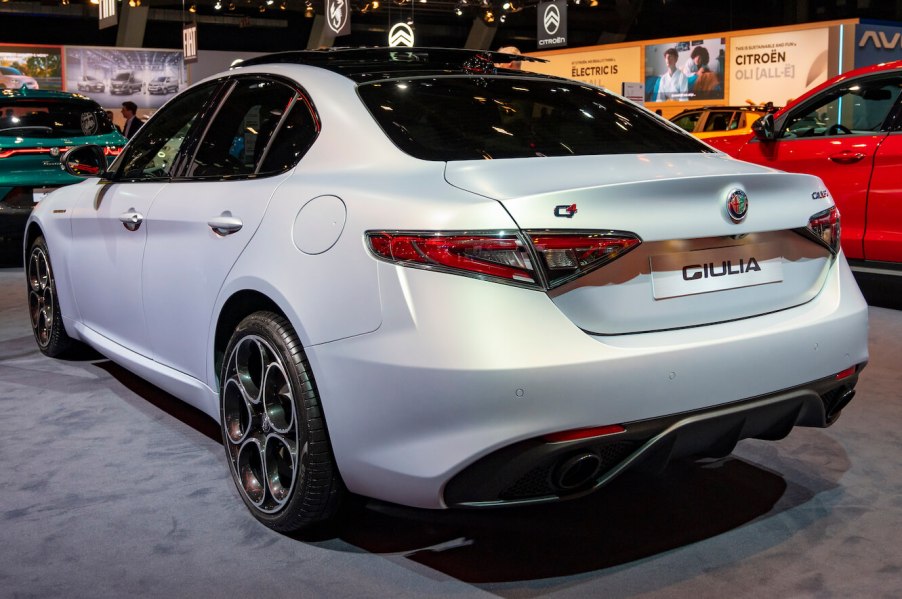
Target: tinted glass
464, 118
234, 143
43, 118
859, 107
152, 152
687, 122
719, 121
292, 140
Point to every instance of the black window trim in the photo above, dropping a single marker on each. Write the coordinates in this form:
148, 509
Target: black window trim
229, 83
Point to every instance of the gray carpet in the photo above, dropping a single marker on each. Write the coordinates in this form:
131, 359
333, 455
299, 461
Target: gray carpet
112, 488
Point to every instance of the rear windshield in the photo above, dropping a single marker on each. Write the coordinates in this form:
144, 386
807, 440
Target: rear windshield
465, 118
42, 118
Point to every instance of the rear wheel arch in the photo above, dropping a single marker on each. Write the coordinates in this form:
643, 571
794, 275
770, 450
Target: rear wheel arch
240, 305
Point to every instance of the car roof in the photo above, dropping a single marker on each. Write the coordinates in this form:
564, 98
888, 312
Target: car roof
875, 69
43, 94
366, 64
746, 108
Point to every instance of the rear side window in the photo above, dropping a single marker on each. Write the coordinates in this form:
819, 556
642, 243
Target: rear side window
465, 118
43, 118
687, 122
235, 142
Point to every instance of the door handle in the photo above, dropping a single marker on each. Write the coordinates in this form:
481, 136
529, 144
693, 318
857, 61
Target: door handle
225, 224
847, 157
131, 219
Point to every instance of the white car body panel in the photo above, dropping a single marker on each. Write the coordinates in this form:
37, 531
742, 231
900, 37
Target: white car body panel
422, 373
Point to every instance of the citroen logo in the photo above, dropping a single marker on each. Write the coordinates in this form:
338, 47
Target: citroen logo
737, 205
552, 19
401, 35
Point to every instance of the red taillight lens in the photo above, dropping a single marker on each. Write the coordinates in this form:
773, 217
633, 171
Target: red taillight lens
825, 227
568, 256
504, 256
844, 374
584, 433
112, 150
497, 256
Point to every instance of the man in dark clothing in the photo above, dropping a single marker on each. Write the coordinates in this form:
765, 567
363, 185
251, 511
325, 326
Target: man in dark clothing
132, 122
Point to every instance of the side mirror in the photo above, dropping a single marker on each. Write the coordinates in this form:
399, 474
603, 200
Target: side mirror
764, 128
84, 161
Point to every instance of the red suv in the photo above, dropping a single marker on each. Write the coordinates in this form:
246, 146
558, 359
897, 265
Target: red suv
847, 131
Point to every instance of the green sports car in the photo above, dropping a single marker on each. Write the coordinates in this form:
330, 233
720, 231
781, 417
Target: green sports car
36, 127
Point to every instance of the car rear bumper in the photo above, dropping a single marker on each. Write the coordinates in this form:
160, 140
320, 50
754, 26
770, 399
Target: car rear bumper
541, 470
462, 369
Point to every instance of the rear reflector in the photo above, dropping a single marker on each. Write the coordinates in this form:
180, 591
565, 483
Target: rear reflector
584, 433
845, 373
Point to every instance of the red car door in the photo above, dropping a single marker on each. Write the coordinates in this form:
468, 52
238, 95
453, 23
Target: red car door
843, 162
883, 235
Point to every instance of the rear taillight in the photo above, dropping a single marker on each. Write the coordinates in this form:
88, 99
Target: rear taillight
112, 150
824, 226
502, 256
540, 259
569, 256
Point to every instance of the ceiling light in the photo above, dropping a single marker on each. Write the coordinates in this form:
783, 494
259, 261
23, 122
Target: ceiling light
262, 8
309, 13
502, 18
269, 2
192, 8
488, 16
375, 4
283, 5
458, 10
218, 5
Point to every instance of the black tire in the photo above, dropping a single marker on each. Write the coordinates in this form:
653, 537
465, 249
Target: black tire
273, 428
43, 307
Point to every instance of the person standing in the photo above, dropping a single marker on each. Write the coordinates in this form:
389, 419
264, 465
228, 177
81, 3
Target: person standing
132, 122
514, 64
672, 85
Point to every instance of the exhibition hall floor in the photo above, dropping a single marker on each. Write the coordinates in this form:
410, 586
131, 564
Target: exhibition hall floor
112, 488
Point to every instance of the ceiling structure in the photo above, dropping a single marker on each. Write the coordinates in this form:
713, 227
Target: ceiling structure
276, 25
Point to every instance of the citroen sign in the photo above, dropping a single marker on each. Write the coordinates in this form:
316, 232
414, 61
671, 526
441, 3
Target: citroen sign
551, 29
401, 34
551, 19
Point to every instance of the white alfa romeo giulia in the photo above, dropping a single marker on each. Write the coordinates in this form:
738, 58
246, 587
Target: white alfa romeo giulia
409, 275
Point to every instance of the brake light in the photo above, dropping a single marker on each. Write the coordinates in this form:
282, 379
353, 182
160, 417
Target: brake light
568, 256
502, 256
497, 256
825, 227
15, 151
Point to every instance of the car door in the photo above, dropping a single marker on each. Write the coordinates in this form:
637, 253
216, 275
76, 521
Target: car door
883, 235
835, 136
203, 221
110, 229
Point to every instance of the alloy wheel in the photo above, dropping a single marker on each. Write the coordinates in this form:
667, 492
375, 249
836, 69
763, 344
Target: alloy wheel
261, 425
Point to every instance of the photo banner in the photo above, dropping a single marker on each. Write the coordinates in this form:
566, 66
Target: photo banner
148, 77
604, 68
685, 70
44, 64
777, 67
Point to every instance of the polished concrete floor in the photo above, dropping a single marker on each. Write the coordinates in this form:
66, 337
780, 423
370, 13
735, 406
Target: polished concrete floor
111, 488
